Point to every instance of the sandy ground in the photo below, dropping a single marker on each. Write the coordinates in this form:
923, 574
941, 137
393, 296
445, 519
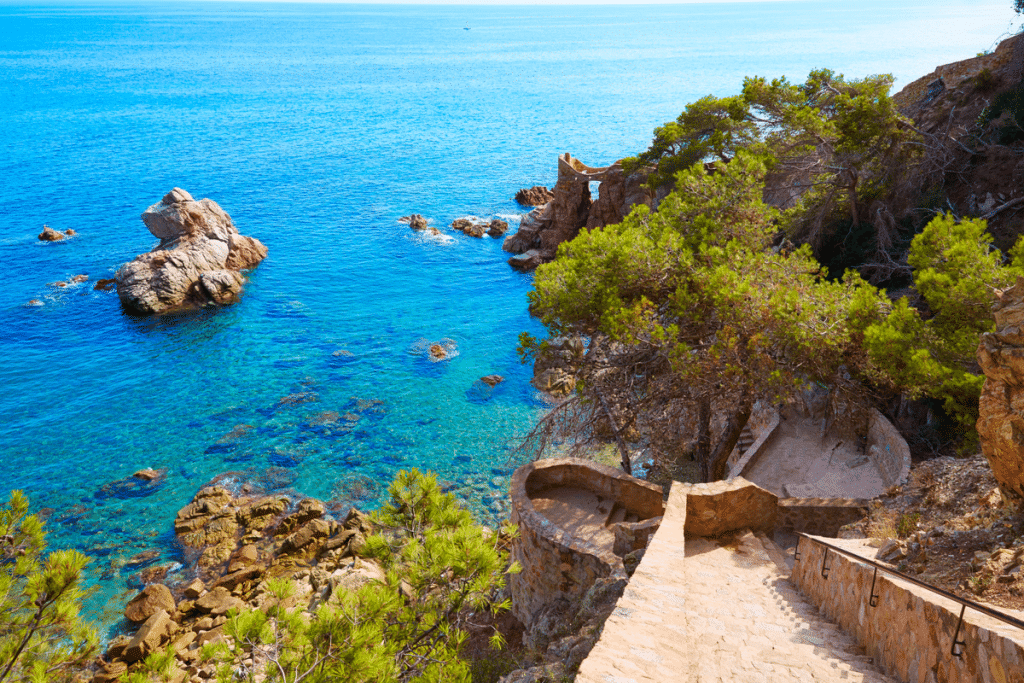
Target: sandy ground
800, 462
582, 513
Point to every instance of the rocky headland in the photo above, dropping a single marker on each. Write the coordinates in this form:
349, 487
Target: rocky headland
199, 260
569, 207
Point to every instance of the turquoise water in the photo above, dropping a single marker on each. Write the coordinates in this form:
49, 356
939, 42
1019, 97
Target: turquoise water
316, 127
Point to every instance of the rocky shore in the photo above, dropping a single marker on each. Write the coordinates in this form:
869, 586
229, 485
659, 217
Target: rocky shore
567, 208
233, 544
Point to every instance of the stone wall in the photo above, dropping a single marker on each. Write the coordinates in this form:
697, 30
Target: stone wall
910, 631
888, 450
819, 516
555, 564
728, 505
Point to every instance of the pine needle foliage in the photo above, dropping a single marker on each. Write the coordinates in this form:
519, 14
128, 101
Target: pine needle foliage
931, 352
442, 573
836, 148
43, 637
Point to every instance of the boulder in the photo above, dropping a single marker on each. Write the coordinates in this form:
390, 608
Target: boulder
149, 474
307, 509
105, 284
497, 228
237, 578
307, 539
729, 505
151, 600
218, 601
492, 380
194, 589
151, 635
50, 235
526, 262
554, 381
534, 196
1001, 407
468, 227
221, 286
418, 222
197, 262
70, 233
360, 573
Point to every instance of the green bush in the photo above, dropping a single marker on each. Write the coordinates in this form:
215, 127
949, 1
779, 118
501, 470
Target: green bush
985, 80
42, 636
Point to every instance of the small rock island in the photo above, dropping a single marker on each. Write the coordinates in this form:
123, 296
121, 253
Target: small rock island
197, 263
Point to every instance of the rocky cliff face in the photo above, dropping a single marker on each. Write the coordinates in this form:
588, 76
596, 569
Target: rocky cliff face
197, 262
1001, 409
572, 208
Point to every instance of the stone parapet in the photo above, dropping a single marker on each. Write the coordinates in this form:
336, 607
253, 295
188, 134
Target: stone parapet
820, 516
557, 565
720, 506
909, 633
888, 450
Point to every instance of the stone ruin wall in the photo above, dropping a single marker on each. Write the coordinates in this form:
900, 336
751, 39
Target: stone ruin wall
555, 565
910, 631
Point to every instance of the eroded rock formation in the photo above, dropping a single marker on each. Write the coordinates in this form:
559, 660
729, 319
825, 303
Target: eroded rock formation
197, 262
1001, 409
571, 208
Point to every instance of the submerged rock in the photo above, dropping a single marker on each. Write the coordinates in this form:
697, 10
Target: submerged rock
197, 262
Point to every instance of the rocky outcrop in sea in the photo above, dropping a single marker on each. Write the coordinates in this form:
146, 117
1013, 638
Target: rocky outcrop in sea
571, 209
197, 263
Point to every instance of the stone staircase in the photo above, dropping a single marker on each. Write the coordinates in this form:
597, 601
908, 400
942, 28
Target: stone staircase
746, 440
718, 610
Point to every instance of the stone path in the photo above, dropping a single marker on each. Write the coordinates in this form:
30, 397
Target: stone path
718, 611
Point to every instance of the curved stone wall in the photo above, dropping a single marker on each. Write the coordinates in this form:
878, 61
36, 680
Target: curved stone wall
556, 565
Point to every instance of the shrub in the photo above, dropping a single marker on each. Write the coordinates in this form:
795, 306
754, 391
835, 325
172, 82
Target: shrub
985, 80
1011, 101
42, 636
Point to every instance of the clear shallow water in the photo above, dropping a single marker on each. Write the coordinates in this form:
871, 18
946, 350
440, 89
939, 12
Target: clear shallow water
316, 127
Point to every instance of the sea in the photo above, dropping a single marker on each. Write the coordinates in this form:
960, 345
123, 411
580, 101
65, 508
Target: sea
317, 127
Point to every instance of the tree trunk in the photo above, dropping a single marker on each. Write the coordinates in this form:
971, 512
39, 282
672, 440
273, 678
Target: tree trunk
730, 435
702, 452
627, 465
854, 207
